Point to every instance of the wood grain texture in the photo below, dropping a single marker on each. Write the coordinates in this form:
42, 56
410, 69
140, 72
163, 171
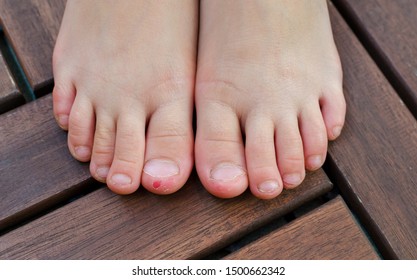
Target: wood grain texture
188, 224
375, 158
327, 233
31, 27
10, 97
36, 169
389, 30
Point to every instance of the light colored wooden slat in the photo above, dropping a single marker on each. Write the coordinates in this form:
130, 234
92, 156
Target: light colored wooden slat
188, 224
328, 233
375, 158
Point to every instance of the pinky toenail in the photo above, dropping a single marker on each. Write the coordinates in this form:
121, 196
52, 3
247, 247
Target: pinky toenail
268, 186
226, 172
121, 179
63, 120
336, 131
102, 172
82, 151
315, 161
161, 168
292, 179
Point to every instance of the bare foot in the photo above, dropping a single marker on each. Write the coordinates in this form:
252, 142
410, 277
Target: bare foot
269, 70
124, 76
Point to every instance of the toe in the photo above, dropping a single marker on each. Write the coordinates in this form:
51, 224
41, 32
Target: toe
63, 97
313, 133
81, 129
103, 148
169, 148
289, 149
333, 108
264, 178
219, 150
125, 171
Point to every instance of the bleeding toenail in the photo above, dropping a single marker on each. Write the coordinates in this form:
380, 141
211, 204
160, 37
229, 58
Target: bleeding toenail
336, 131
161, 168
314, 161
82, 152
63, 120
102, 172
226, 172
268, 187
121, 179
292, 179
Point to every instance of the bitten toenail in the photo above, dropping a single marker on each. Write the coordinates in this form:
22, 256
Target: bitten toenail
268, 187
161, 168
63, 120
121, 179
226, 172
102, 172
82, 152
336, 131
315, 161
292, 179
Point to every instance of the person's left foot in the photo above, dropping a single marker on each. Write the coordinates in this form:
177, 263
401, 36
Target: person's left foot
270, 70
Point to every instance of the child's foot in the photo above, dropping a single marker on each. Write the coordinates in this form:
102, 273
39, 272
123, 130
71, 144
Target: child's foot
124, 75
270, 70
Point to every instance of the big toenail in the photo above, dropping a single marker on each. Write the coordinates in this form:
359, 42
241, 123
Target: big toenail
336, 131
268, 187
315, 161
82, 152
226, 172
161, 168
121, 179
102, 172
63, 120
292, 179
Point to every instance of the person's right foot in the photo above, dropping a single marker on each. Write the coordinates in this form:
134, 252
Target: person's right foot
122, 68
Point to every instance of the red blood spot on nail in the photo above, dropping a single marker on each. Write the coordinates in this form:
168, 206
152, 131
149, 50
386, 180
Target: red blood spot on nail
156, 184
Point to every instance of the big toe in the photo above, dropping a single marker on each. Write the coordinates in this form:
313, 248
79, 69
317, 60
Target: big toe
169, 148
219, 150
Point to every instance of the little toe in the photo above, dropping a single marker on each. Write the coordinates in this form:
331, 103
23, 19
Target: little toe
219, 150
103, 148
81, 129
333, 108
289, 149
313, 132
125, 171
264, 178
62, 99
169, 148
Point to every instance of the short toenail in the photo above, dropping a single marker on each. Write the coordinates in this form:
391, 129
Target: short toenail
268, 186
292, 179
63, 120
102, 172
315, 161
121, 179
336, 131
82, 151
226, 172
161, 168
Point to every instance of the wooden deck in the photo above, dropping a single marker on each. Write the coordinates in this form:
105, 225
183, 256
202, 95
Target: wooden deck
361, 205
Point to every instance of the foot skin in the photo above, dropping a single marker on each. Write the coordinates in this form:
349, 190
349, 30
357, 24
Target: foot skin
269, 70
124, 76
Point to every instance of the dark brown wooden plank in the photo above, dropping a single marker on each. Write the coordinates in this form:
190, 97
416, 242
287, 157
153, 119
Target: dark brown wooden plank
389, 30
187, 224
10, 97
31, 27
327, 233
36, 169
375, 158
